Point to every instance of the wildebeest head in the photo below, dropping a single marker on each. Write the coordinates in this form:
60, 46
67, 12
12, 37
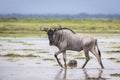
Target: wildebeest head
50, 33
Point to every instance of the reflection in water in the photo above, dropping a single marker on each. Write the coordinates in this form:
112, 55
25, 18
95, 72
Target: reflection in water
64, 74
61, 76
98, 77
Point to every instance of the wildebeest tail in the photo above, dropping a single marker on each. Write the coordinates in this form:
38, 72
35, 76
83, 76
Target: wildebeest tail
98, 48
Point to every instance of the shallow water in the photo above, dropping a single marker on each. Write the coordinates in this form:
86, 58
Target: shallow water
44, 67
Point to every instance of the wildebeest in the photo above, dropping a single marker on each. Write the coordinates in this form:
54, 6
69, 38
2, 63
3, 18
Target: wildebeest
67, 39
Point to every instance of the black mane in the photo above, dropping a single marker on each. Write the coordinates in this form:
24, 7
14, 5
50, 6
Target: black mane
64, 29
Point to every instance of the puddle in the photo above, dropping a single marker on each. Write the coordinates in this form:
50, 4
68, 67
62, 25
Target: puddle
33, 59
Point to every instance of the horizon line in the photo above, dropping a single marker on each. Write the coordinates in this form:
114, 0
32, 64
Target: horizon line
58, 13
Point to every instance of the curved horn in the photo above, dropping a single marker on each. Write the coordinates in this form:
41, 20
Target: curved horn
59, 26
43, 29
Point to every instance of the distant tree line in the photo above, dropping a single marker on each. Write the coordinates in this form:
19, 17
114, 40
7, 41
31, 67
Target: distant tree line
76, 16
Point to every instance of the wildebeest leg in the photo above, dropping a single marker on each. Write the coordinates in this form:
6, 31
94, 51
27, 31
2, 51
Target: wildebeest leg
87, 58
98, 57
64, 58
56, 54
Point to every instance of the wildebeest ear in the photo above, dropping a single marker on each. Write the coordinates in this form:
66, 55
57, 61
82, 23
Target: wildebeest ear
44, 29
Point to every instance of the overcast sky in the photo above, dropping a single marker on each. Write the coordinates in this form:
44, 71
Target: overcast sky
60, 6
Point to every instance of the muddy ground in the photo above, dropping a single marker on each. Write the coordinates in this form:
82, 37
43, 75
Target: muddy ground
33, 59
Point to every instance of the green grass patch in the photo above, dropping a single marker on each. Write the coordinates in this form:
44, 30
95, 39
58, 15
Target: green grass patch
0, 44
111, 58
117, 60
11, 41
70, 54
18, 55
29, 44
42, 51
116, 47
12, 60
112, 52
79, 57
49, 59
115, 74
38, 62
56, 65
28, 27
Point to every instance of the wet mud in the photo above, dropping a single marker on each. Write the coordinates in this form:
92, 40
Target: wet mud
33, 59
